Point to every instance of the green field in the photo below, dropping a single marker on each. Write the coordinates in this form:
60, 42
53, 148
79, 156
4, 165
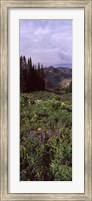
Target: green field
45, 136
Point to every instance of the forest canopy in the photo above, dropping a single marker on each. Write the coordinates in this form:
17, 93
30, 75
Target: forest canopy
31, 76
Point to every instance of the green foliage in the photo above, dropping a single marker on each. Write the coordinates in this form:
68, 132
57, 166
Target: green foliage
45, 137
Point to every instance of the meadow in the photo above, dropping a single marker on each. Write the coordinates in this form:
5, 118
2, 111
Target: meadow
45, 136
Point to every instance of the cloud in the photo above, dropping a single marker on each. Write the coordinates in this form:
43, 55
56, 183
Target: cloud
46, 41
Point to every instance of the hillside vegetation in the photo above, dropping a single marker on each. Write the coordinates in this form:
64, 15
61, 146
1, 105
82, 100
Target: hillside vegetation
45, 136
54, 77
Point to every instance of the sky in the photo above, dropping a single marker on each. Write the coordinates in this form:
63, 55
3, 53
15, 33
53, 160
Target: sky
46, 41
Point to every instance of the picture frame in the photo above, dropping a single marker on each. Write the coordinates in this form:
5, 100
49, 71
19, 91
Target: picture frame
87, 5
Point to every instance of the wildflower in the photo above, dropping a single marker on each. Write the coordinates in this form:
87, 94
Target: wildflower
39, 129
63, 103
38, 101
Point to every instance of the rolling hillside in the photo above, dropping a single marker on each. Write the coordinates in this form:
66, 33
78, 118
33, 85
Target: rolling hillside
56, 78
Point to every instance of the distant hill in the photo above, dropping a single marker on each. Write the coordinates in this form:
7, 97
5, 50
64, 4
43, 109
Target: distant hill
56, 78
63, 65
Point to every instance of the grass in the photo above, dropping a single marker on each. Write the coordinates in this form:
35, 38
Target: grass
45, 137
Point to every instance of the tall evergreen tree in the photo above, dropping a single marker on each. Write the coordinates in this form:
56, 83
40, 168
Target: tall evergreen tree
29, 75
31, 78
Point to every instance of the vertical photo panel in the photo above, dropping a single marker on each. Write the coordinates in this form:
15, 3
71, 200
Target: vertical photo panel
45, 100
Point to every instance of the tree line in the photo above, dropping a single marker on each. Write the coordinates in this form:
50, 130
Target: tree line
31, 76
